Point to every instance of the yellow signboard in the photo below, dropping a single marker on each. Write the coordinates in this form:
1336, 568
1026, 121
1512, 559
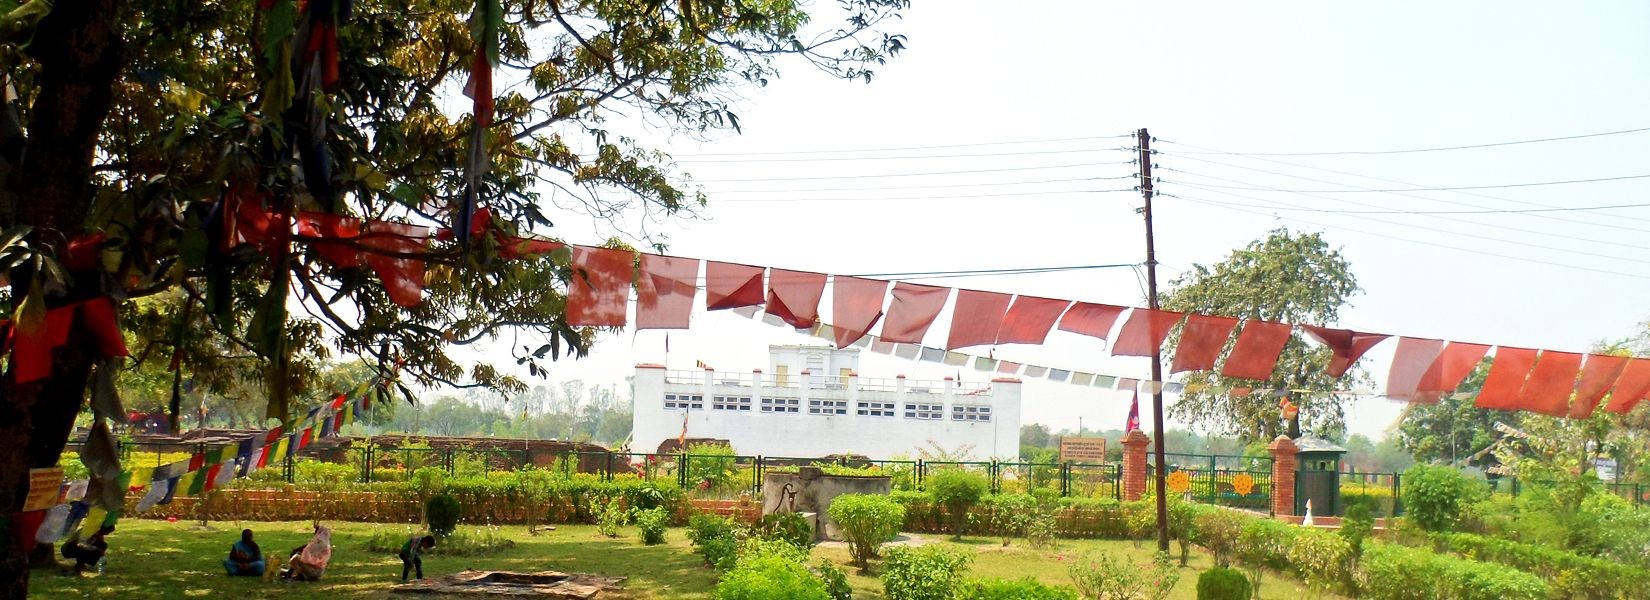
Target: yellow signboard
1083, 449
44, 485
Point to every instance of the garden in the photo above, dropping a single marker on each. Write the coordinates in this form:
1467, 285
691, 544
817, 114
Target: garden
955, 539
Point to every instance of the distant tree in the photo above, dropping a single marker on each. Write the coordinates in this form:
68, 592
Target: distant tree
1037, 435
1369, 456
1288, 277
1454, 431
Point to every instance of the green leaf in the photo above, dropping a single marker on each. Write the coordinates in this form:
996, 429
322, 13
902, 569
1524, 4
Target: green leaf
281, 21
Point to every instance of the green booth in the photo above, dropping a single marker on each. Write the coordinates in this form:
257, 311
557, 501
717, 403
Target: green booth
1318, 476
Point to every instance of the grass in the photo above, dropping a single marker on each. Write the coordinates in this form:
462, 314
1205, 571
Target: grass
157, 559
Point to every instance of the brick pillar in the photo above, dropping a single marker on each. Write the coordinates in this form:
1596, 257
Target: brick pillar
1134, 464
1283, 474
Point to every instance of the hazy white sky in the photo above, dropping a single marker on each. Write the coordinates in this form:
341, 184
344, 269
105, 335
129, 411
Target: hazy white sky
1241, 77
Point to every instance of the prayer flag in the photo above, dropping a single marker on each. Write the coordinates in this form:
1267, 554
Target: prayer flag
793, 296
1029, 320
599, 290
731, 285
982, 363
1080, 378
1134, 414
1058, 374
1596, 377
932, 354
1201, 340
976, 318
1550, 384
907, 351
1453, 364
1256, 351
1093, 320
955, 359
856, 306
1346, 345
1410, 361
1631, 387
1035, 371
1506, 380
912, 310
244, 457
1143, 333
665, 287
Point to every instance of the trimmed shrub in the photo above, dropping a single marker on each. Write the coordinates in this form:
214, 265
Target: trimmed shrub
1101, 576
1008, 515
652, 522
1223, 584
1217, 531
769, 569
836, 582
791, 527
1570, 575
441, 511
924, 573
611, 516
1320, 559
1398, 573
1012, 589
715, 539
1263, 546
1436, 497
868, 521
957, 490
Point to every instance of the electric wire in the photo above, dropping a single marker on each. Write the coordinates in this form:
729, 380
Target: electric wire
945, 197
1401, 182
1464, 187
1220, 205
761, 159
920, 174
932, 147
1455, 233
1461, 212
983, 272
1546, 217
918, 187
1415, 150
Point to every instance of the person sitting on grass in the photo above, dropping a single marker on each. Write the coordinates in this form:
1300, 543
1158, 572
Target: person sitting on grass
309, 562
86, 553
245, 558
412, 555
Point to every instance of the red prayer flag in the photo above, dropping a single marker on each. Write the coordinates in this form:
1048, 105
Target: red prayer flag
1093, 320
1410, 362
196, 461
1143, 333
334, 237
403, 277
912, 311
1347, 345
856, 305
1201, 340
793, 296
664, 291
600, 287
1256, 351
1506, 381
976, 318
1454, 363
1597, 376
1029, 320
212, 477
31, 353
731, 285
1630, 387
1548, 389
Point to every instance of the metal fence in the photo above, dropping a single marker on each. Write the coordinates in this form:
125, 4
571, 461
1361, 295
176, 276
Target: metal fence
1238, 488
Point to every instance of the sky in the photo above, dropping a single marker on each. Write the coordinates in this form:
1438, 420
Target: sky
854, 178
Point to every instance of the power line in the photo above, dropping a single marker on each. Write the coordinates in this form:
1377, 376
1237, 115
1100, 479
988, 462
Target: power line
910, 157
1418, 197
922, 174
1459, 212
899, 148
1413, 150
918, 187
1464, 187
981, 272
1588, 240
947, 197
1444, 231
1401, 182
1409, 240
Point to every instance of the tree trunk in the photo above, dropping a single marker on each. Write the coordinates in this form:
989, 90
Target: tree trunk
78, 48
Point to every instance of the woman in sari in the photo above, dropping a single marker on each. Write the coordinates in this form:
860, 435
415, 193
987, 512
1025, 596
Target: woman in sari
309, 563
245, 557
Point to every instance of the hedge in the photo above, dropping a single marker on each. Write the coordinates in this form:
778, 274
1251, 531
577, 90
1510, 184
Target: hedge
1570, 575
1077, 517
1401, 573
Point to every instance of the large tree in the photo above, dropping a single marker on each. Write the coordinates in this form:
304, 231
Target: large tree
1454, 431
1288, 277
140, 121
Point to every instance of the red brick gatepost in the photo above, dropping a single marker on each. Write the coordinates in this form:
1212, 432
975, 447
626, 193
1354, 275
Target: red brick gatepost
1283, 474
1134, 464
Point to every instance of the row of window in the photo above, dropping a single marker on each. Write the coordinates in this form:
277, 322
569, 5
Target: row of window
932, 412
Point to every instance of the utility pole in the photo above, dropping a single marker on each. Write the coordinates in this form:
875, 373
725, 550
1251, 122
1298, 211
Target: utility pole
1144, 142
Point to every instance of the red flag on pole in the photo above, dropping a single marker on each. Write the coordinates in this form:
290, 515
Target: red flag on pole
1134, 413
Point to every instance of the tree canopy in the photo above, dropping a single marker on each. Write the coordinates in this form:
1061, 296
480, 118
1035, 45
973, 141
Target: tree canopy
146, 147
1283, 277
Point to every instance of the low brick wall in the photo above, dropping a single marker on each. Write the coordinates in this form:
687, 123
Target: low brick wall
380, 507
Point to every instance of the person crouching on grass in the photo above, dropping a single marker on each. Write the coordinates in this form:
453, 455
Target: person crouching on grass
412, 555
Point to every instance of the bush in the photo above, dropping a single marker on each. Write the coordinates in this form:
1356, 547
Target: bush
610, 516
1436, 497
1008, 515
924, 573
1183, 524
1218, 531
1570, 575
957, 490
836, 582
790, 527
1012, 589
1263, 546
1042, 527
441, 511
868, 521
710, 465
472, 541
715, 539
652, 522
1101, 576
1222, 584
1356, 527
1320, 559
1397, 573
766, 570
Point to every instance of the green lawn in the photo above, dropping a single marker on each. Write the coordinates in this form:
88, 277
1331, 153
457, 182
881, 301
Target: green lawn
156, 559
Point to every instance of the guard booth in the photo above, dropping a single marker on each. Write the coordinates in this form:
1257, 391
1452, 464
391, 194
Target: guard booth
1319, 476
